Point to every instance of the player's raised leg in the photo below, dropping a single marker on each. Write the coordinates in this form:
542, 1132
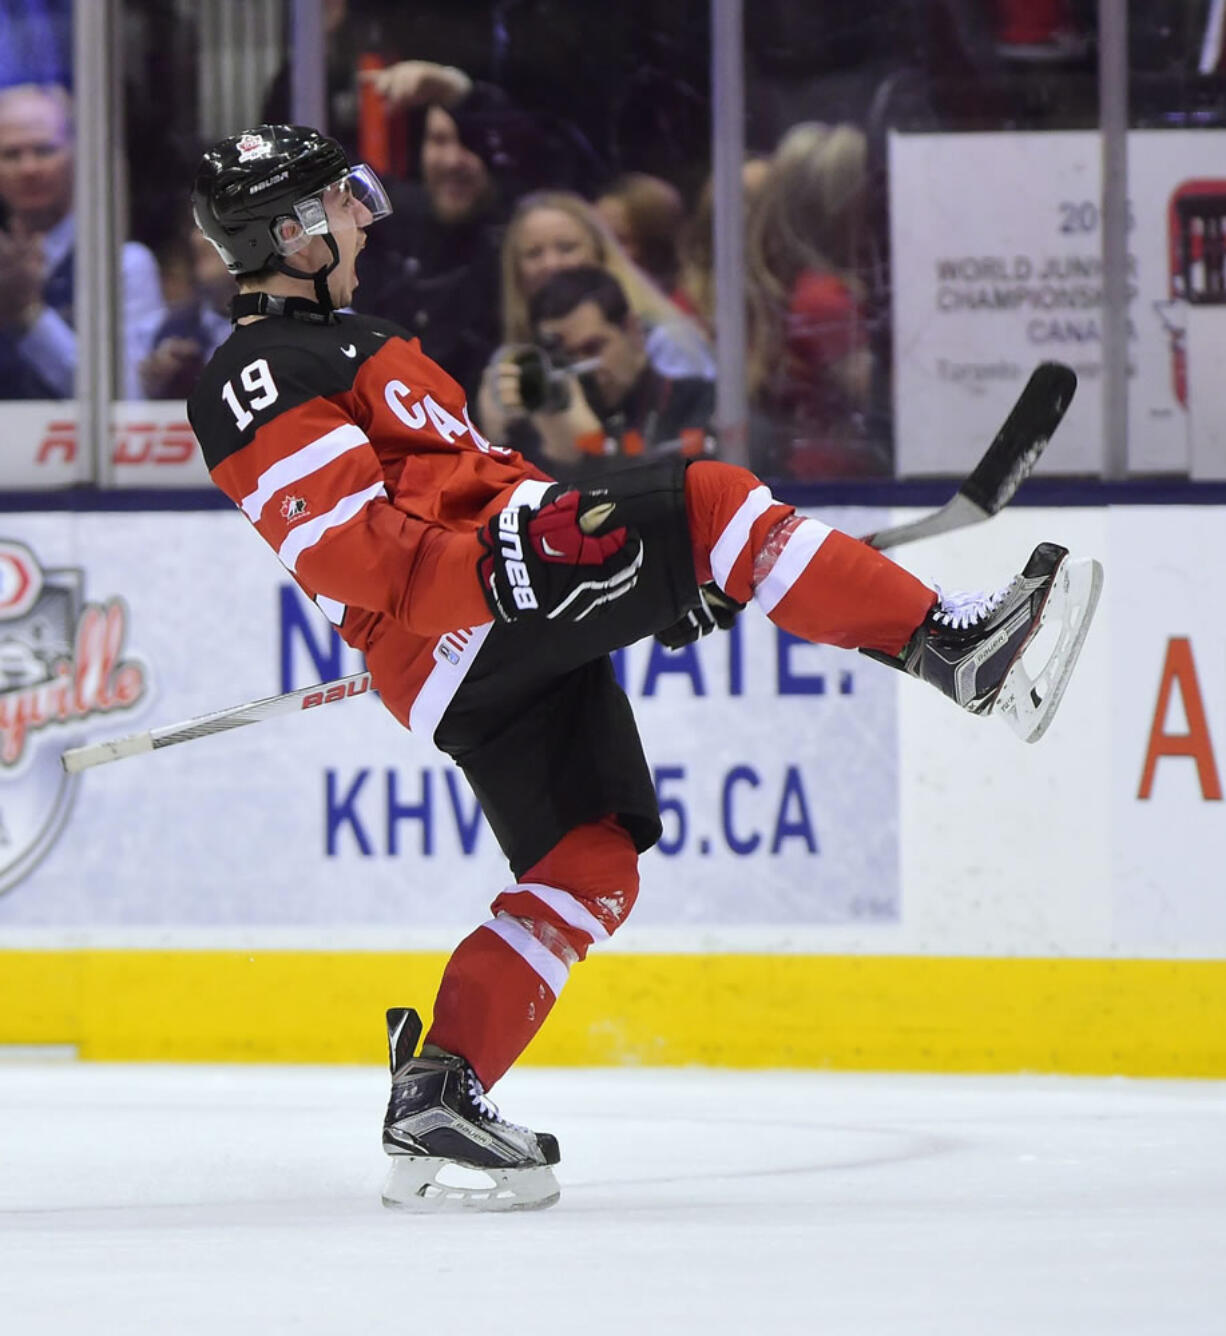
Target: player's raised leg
827, 587
972, 647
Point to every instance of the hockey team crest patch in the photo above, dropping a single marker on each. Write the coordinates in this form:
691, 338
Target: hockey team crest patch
251, 147
293, 508
62, 663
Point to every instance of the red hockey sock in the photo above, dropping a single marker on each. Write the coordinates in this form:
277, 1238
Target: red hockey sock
502, 980
491, 1002
811, 580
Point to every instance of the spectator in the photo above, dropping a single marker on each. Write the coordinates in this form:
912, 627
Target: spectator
195, 327
646, 214
556, 65
524, 148
553, 230
809, 361
38, 347
695, 291
434, 268
619, 409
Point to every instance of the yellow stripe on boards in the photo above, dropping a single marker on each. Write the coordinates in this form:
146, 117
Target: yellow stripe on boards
886, 1013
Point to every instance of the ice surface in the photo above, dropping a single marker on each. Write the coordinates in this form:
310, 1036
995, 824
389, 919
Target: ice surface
184, 1200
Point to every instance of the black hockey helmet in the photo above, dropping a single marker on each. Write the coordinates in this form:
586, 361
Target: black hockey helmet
258, 195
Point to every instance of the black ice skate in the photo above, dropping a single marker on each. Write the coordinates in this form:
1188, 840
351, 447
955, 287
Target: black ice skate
970, 646
450, 1147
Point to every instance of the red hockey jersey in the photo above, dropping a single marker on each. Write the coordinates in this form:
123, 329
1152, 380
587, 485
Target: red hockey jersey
354, 456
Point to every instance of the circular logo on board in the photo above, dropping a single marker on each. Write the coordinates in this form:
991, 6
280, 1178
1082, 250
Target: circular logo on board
62, 661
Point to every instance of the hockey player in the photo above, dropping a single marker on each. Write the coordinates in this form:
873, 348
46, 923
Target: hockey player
487, 598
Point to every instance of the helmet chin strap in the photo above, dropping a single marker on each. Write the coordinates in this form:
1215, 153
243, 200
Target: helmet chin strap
323, 297
299, 308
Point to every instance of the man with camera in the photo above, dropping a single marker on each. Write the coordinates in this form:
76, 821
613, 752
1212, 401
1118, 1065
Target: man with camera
593, 399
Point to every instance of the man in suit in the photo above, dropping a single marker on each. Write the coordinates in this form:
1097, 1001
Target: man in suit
38, 344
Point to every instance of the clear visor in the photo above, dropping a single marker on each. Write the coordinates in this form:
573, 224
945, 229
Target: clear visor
359, 191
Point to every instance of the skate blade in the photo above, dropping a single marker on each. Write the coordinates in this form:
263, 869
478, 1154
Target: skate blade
1028, 703
428, 1186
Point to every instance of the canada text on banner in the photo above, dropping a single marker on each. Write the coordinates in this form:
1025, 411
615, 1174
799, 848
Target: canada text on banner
996, 245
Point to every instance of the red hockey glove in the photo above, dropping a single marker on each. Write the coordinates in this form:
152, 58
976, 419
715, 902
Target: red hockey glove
557, 562
715, 609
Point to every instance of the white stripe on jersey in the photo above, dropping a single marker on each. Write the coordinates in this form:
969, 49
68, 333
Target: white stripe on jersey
302, 462
571, 911
528, 493
731, 543
454, 655
455, 652
307, 535
553, 971
798, 551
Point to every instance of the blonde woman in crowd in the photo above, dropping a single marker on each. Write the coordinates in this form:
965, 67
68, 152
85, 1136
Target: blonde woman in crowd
810, 364
552, 230
695, 292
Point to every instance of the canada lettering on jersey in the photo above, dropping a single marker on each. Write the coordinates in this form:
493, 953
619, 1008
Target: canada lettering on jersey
429, 412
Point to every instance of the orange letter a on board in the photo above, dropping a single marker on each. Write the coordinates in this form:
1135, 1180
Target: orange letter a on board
1180, 669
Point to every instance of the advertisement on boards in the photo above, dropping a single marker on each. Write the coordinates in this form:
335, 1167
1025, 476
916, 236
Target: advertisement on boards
776, 762
152, 445
808, 794
1169, 760
65, 664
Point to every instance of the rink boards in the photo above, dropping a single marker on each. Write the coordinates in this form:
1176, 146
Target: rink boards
853, 873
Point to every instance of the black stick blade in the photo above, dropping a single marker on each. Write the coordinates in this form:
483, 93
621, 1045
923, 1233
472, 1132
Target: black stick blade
1013, 454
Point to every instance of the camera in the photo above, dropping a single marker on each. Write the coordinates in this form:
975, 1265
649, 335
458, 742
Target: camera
543, 387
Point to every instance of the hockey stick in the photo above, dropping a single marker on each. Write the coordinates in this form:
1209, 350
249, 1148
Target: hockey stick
1005, 466
1008, 462
76, 759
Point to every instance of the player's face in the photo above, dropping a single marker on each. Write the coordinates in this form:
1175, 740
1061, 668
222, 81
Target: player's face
549, 240
455, 178
348, 219
586, 333
35, 160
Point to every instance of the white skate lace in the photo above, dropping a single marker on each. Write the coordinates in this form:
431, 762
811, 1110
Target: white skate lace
961, 608
485, 1106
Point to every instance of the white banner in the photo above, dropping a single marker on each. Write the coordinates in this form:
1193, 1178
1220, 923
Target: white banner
996, 253
812, 800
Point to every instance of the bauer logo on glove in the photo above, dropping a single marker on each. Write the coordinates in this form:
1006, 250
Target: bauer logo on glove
513, 564
559, 561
